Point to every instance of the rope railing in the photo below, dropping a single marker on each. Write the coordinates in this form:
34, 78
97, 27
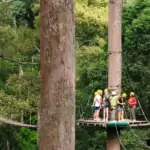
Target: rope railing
134, 134
138, 99
120, 141
16, 62
15, 123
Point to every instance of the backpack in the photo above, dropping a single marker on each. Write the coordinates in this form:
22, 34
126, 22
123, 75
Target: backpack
106, 102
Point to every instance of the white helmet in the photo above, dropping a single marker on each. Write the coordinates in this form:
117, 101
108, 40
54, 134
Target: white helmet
113, 93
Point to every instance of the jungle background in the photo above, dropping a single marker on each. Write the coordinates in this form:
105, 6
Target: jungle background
20, 68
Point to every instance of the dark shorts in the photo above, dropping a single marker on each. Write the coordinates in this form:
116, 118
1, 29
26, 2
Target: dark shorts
119, 109
107, 106
96, 108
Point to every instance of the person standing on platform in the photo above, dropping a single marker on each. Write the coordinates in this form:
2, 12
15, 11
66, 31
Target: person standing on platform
106, 105
132, 106
120, 106
113, 105
97, 103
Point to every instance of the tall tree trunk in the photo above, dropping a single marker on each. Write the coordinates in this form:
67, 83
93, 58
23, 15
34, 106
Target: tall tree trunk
57, 105
115, 63
114, 45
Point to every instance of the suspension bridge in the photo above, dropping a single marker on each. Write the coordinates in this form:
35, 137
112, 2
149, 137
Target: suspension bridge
15, 123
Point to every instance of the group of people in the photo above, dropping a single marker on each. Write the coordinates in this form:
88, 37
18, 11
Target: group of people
113, 104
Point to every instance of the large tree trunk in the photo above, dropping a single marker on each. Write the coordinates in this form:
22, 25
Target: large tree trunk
57, 106
114, 45
115, 63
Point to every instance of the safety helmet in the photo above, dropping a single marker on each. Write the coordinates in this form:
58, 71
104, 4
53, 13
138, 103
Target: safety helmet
132, 94
106, 90
95, 93
99, 91
124, 95
113, 93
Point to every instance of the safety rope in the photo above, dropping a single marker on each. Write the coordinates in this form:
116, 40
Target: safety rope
134, 90
15, 123
141, 142
15, 61
137, 97
123, 146
87, 104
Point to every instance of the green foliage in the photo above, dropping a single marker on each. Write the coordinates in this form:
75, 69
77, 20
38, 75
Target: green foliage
90, 139
17, 139
19, 41
27, 139
5, 16
91, 34
8, 137
136, 48
91, 25
22, 95
131, 136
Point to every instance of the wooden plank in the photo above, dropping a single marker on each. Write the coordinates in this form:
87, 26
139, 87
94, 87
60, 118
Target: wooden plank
140, 125
101, 123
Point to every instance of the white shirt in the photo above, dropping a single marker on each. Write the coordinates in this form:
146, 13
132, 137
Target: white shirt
97, 100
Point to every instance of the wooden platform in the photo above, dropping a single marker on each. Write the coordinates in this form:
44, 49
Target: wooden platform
101, 123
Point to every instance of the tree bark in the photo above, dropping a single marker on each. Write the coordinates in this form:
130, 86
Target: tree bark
57, 104
114, 62
113, 136
115, 45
